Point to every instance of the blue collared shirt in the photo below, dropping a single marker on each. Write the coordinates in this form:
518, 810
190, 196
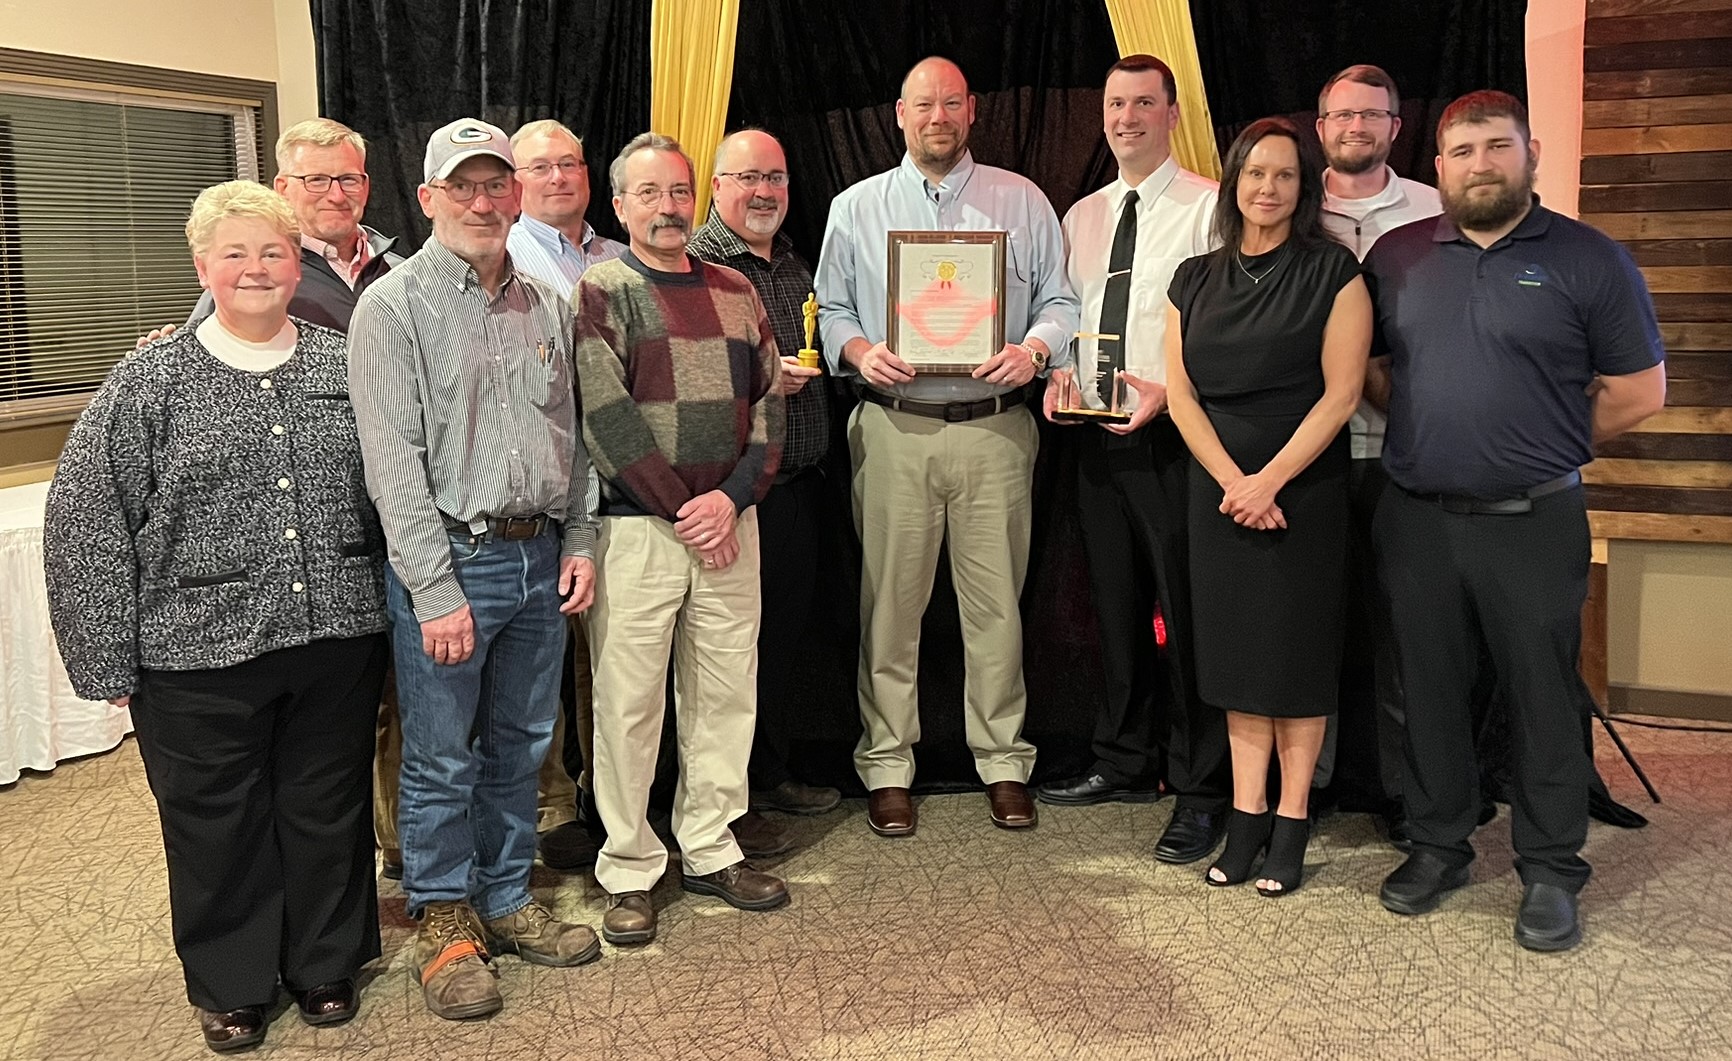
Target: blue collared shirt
853, 266
543, 252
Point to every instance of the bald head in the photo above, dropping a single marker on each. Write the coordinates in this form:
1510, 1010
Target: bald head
935, 113
750, 188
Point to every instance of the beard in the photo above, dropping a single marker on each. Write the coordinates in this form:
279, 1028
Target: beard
928, 156
1354, 165
758, 223
1483, 213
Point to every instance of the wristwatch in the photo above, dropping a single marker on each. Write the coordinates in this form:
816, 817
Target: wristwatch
1035, 356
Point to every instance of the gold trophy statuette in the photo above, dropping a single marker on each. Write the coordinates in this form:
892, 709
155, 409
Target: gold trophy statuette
1108, 407
808, 353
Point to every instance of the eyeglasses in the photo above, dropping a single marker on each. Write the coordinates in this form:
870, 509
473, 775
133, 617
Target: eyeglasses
1344, 117
461, 191
751, 178
320, 183
569, 166
652, 196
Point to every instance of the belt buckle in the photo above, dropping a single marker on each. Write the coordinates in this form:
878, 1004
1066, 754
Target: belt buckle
958, 412
518, 528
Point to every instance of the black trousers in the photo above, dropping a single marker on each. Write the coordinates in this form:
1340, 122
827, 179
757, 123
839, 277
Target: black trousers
791, 526
1131, 492
1515, 585
263, 780
1362, 751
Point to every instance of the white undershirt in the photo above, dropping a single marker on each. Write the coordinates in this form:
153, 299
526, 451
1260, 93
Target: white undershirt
236, 352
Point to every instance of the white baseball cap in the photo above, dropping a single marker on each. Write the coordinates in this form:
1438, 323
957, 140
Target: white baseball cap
462, 139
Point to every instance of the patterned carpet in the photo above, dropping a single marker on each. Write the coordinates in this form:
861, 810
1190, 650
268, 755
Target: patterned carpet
964, 941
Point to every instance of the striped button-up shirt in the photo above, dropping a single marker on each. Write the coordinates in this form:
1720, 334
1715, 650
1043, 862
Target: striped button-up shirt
543, 252
466, 408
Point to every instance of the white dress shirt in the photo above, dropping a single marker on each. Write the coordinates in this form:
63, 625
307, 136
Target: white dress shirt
1175, 215
1357, 223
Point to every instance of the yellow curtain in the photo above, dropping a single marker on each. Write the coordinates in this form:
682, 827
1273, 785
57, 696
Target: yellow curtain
1162, 28
691, 73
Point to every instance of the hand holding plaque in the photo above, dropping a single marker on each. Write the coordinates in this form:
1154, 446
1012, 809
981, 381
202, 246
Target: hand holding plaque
946, 299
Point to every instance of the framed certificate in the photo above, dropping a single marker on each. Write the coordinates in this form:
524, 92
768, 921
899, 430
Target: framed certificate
946, 299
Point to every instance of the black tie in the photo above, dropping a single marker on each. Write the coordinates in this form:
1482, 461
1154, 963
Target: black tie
1116, 302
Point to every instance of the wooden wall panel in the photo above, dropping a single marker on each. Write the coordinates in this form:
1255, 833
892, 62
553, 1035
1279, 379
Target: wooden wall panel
1657, 174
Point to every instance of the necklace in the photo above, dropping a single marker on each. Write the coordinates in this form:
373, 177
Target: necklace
1280, 256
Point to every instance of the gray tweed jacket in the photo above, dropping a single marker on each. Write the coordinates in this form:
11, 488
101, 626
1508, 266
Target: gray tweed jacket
202, 516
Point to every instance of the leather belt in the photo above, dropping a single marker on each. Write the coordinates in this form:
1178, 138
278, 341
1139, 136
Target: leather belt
1509, 506
504, 528
949, 412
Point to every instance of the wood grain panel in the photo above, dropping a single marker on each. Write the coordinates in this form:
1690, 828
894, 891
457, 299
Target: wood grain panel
1674, 110
1639, 445
1625, 198
1689, 279
1672, 224
1669, 26
1677, 166
1614, 471
1618, 8
1708, 392
1681, 308
1680, 251
1658, 55
1694, 420
1691, 365
1660, 499
1633, 84
1696, 336
1656, 527
1651, 138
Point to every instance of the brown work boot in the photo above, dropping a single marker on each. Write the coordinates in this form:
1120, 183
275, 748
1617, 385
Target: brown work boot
741, 886
534, 935
452, 964
630, 918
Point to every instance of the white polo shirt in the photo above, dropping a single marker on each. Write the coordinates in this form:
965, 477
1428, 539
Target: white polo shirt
1357, 223
1175, 209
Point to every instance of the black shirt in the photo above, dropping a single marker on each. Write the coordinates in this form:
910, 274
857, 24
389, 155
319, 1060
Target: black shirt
1491, 351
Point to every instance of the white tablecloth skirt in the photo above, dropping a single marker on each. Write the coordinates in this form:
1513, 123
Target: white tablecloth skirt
42, 721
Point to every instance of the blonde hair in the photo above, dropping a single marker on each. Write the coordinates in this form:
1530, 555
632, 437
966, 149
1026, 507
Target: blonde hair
543, 126
320, 132
238, 199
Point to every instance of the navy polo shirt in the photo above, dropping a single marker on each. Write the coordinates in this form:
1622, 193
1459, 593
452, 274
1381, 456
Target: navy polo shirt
1491, 349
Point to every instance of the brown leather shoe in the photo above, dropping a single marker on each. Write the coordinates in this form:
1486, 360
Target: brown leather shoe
1011, 807
237, 1029
534, 935
630, 918
890, 812
759, 837
452, 965
740, 886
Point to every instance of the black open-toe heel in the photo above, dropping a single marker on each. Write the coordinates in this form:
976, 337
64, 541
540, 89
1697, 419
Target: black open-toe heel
1285, 864
1247, 836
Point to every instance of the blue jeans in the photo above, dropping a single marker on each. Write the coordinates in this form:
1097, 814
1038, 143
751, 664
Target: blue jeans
475, 733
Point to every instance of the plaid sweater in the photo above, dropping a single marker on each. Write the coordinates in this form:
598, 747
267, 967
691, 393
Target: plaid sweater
677, 373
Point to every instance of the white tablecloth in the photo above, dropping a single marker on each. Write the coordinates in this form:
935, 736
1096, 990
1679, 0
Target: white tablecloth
41, 720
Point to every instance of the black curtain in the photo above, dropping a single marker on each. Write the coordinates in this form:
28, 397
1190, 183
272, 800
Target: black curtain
1271, 57
395, 70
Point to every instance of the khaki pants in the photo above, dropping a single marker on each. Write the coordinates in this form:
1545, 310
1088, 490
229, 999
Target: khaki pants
653, 594
916, 481
557, 791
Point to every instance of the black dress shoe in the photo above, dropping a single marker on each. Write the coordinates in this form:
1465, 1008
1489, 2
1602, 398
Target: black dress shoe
568, 847
331, 1003
1420, 883
237, 1029
1093, 788
1191, 835
1547, 920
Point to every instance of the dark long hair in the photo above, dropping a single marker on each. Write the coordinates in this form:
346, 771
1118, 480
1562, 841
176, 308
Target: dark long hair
1308, 228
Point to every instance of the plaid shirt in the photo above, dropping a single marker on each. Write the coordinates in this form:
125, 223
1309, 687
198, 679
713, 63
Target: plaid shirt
783, 283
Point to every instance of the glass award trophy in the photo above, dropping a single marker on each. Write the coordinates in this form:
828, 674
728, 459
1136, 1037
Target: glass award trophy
1094, 392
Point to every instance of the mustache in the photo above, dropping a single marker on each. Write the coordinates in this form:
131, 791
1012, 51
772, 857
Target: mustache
1491, 178
758, 202
669, 221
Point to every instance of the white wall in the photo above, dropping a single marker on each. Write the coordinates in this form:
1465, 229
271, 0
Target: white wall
265, 40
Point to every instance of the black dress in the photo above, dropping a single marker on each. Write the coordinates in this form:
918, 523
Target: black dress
1268, 606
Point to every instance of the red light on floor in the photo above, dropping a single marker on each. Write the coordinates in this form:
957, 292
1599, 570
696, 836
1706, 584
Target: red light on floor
1160, 628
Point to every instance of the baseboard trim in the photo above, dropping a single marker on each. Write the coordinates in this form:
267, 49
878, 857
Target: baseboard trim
1671, 703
